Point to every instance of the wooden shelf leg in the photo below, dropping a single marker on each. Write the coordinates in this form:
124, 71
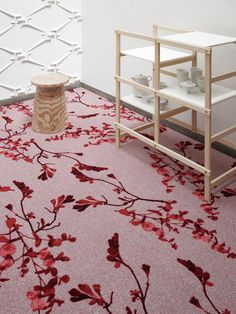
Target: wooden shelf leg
156, 85
157, 120
207, 151
118, 94
118, 132
194, 112
194, 121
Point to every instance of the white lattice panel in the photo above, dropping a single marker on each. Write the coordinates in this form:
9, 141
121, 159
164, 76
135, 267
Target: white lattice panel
38, 36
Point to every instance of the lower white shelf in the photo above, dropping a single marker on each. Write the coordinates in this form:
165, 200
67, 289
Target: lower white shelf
145, 106
219, 94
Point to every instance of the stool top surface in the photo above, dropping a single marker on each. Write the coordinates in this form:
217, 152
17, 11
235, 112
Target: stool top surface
51, 79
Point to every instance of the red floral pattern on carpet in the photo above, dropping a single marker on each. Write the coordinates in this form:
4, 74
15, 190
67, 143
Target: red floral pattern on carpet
89, 228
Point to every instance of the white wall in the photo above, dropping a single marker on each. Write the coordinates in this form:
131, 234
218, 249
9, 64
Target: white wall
38, 36
102, 17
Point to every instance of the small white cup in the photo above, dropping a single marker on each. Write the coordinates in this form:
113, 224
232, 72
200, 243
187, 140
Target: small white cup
201, 83
195, 73
182, 76
163, 103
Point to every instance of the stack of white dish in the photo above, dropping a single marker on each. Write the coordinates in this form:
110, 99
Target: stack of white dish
147, 96
197, 80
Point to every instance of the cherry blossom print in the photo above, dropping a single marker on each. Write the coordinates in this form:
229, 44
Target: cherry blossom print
86, 227
35, 248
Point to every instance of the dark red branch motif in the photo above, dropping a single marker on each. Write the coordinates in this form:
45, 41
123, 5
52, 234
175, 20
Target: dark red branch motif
172, 171
161, 220
114, 256
109, 109
96, 135
27, 243
203, 277
93, 294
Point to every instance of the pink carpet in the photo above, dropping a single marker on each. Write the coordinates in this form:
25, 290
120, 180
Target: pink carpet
88, 228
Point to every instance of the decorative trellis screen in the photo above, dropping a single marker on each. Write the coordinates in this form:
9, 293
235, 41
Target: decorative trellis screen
37, 36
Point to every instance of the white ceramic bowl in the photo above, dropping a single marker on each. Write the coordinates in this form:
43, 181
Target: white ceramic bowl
188, 86
163, 103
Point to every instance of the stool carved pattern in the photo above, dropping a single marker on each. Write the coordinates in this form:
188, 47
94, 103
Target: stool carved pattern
50, 114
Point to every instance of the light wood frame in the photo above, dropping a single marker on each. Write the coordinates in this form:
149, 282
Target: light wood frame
206, 111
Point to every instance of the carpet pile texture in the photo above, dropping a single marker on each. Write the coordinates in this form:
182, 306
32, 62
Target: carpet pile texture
88, 228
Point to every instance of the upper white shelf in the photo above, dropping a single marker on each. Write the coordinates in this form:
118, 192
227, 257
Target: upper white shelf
147, 53
197, 98
200, 39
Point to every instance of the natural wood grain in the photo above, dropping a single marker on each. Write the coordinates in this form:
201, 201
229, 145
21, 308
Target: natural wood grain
50, 114
50, 80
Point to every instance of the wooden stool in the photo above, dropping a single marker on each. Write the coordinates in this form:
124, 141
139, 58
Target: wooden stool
50, 114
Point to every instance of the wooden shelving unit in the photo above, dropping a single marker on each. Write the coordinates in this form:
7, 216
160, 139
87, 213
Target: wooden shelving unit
180, 46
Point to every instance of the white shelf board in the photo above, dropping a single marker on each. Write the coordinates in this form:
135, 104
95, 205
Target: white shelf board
197, 98
200, 39
145, 106
147, 53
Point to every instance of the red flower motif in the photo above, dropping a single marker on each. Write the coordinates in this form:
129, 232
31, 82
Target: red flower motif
7, 119
146, 269
37, 303
6, 263
196, 302
49, 261
80, 176
163, 171
113, 251
135, 294
85, 203
148, 226
26, 191
47, 173
85, 292
44, 253
202, 276
60, 201
183, 145
7, 249
91, 168
10, 222
32, 294
47, 257
3, 238
5, 189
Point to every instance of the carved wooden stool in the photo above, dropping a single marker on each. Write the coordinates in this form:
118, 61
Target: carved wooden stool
50, 114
